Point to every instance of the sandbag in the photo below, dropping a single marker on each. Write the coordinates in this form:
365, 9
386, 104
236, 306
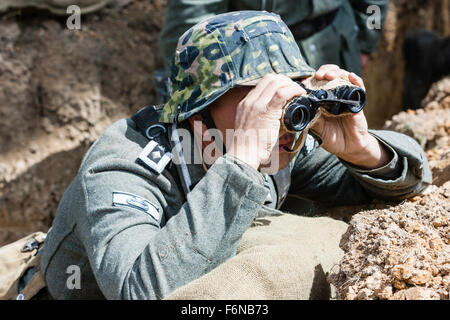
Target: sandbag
15, 260
279, 257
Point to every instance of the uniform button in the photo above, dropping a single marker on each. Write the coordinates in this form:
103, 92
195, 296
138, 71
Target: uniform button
356, 28
312, 47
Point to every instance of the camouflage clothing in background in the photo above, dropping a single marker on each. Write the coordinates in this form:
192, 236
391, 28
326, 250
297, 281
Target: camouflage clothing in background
339, 43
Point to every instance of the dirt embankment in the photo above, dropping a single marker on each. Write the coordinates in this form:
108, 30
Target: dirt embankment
431, 128
59, 90
403, 251
385, 73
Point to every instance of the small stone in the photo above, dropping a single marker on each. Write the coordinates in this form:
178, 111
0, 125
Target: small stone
399, 284
373, 282
436, 244
351, 293
368, 271
446, 281
434, 270
416, 293
436, 281
47, 125
365, 294
445, 268
420, 277
384, 241
385, 293
440, 221
402, 272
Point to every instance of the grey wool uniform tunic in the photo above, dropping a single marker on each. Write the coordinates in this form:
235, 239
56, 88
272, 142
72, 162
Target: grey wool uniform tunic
134, 235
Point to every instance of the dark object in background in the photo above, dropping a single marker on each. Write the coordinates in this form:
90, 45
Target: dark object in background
343, 99
162, 86
427, 59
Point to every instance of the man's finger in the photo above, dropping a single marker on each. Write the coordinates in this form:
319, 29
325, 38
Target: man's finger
284, 94
356, 80
272, 88
320, 74
335, 74
267, 82
329, 67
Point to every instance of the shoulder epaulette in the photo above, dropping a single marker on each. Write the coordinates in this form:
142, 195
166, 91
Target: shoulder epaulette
156, 155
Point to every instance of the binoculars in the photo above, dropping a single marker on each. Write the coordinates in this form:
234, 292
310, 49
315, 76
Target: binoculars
343, 99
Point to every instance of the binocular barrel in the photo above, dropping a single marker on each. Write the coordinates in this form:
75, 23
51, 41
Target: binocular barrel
299, 113
355, 94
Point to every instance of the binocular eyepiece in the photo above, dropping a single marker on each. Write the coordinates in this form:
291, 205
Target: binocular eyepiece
299, 112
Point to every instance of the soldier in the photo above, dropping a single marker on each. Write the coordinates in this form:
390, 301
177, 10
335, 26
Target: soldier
327, 32
139, 221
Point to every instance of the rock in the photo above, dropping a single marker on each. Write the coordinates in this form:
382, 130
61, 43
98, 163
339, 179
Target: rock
402, 272
428, 127
436, 244
416, 293
365, 294
441, 221
446, 281
374, 282
385, 293
391, 260
399, 284
420, 277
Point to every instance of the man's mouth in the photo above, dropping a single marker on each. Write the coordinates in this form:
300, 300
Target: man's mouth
284, 147
285, 142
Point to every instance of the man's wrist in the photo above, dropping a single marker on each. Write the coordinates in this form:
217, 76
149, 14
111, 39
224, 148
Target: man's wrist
373, 156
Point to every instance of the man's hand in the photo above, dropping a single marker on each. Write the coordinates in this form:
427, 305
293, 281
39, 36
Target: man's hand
347, 137
260, 112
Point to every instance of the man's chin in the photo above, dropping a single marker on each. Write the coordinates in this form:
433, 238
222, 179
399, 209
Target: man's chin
278, 161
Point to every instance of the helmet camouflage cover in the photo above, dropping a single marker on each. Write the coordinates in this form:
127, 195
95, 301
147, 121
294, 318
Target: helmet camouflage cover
228, 50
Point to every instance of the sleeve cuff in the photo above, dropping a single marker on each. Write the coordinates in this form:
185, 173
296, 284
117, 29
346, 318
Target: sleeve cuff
245, 179
390, 171
251, 172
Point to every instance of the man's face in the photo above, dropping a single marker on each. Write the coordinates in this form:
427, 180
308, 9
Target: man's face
223, 112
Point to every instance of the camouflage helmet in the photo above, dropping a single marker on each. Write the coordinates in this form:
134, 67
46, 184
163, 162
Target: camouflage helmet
225, 51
